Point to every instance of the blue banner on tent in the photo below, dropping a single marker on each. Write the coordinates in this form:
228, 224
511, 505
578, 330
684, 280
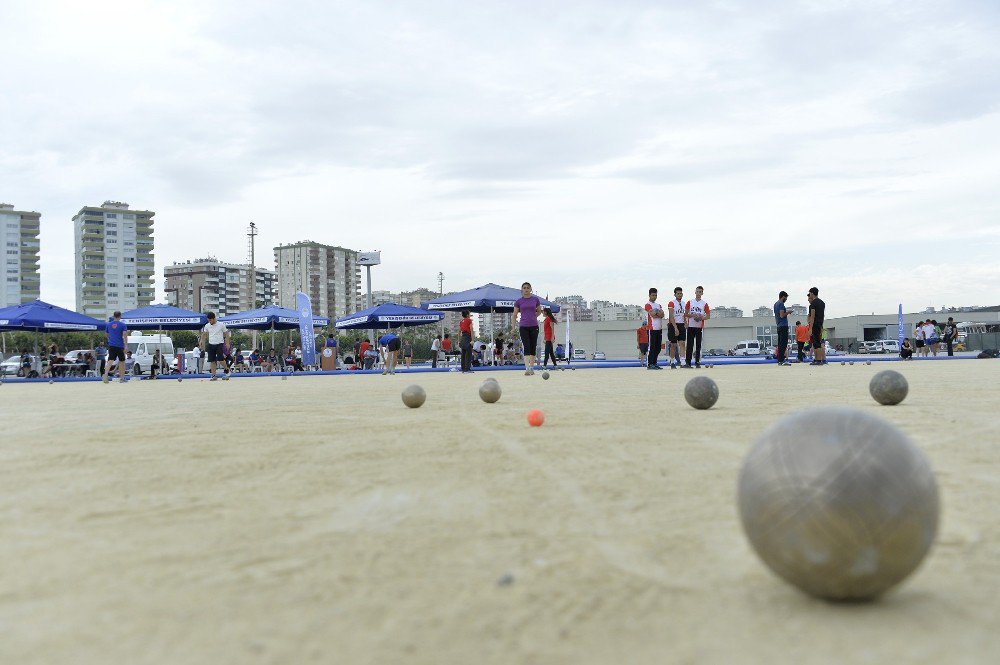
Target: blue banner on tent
306, 329
900, 332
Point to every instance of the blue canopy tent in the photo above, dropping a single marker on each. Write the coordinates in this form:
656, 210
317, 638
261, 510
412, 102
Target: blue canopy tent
483, 299
163, 317
388, 316
38, 316
270, 318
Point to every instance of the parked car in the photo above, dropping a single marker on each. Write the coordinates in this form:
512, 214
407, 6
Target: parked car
715, 352
890, 346
749, 347
579, 354
599, 355
10, 366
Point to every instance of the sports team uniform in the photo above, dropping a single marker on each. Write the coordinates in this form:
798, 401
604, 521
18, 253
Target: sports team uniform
695, 327
655, 325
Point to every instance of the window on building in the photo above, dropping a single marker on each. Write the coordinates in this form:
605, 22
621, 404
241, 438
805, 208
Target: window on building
112, 233
111, 215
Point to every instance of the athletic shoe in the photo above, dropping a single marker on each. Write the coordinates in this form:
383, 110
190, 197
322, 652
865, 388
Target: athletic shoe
673, 366
122, 380
385, 372
697, 365
104, 378
225, 377
214, 378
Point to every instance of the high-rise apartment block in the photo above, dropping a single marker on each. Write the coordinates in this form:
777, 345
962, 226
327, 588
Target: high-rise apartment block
19, 239
210, 285
330, 276
114, 258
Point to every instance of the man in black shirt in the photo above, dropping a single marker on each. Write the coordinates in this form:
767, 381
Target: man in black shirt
817, 309
950, 335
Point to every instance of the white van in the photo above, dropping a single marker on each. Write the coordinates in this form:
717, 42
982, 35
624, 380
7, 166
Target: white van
889, 346
144, 346
748, 347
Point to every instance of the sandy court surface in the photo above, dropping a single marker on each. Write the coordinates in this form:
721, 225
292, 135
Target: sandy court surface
319, 520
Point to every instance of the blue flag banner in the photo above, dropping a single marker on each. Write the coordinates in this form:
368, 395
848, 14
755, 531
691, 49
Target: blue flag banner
304, 307
900, 334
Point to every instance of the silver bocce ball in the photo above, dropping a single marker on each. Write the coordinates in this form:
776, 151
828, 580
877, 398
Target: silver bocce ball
838, 502
701, 392
490, 391
414, 396
888, 387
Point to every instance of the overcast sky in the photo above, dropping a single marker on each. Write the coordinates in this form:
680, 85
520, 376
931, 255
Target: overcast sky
593, 148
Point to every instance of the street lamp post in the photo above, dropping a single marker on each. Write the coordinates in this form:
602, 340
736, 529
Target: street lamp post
369, 259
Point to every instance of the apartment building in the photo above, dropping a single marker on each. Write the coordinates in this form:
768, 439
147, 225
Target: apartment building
19, 239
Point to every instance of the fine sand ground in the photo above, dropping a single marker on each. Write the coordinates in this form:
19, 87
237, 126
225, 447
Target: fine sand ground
318, 520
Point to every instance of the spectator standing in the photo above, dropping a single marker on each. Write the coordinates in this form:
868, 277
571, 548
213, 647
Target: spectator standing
407, 352
817, 313
642, 341
435, 350
101, 353
465, 341
654, 322
116, 331
196, 356
781, 321
950, 335
696, 312
549, 336
801, 338
676, 330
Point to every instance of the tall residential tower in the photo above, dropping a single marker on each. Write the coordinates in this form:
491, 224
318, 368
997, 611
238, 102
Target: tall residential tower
19, 239
330, 276
114, 259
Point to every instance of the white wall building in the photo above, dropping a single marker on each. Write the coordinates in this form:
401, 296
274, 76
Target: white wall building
20, 281
114, 259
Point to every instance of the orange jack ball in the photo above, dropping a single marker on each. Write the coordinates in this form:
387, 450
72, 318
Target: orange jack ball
536, 418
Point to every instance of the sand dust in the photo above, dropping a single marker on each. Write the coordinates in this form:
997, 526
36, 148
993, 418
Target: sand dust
319, 520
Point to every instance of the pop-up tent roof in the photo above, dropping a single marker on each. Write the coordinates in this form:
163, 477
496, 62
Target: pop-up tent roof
163, 317
388, 316
486, 298
39, 316
271, 317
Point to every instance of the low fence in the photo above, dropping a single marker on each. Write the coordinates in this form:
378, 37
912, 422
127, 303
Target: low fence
980, 341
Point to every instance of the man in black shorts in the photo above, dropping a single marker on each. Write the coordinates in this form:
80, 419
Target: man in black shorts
218, 337
817, 310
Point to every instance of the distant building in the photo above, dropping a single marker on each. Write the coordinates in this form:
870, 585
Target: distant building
762, 311
204, 285
380, 298
329, 275
114, 259
604, 310
723, 312
19, 238
797, 310
573, 301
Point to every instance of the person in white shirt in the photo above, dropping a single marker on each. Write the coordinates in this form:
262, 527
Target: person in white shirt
654, 321
435, 348
696, 312
218, 338
196, 355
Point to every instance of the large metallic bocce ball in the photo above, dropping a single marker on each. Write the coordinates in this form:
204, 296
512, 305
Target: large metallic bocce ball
701, 392
888, 387
838, 502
